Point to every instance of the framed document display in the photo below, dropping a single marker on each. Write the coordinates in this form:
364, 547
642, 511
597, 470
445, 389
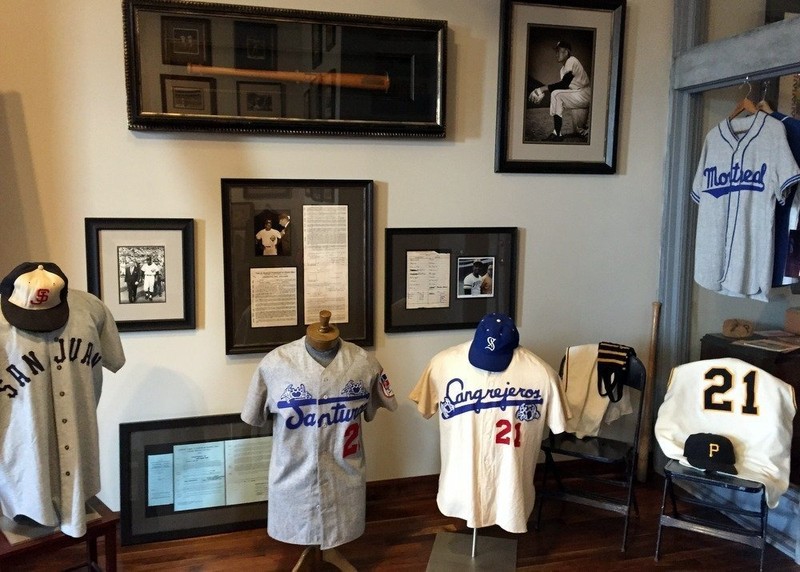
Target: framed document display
191, 477
292, 248
448, 278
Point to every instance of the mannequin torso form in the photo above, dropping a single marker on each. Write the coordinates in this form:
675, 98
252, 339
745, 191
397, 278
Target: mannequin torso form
322, 344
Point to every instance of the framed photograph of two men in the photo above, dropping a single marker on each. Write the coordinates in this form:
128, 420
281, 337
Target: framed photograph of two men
559, 85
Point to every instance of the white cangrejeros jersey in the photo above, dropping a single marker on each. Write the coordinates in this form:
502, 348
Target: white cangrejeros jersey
491, 429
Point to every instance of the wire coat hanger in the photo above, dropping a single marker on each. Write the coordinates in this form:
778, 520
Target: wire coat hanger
762, 103
745, 104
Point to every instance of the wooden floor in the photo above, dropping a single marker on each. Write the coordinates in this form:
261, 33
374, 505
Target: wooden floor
402, 523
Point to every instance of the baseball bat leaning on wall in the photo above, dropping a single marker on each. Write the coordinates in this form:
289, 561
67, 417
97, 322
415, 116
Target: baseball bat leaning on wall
646, 429
354, 80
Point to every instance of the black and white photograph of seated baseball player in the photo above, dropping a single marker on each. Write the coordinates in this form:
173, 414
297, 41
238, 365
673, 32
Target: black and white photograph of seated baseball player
475, 277
141, 274
559, 85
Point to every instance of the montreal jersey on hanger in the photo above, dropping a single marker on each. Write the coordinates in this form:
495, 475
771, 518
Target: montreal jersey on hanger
491, 428
745, 167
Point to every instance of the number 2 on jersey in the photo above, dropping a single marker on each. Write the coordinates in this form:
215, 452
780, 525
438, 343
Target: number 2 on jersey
713, 396
350, 440
504, 426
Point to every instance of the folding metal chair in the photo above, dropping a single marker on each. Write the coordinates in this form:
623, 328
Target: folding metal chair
711, 523
605, 473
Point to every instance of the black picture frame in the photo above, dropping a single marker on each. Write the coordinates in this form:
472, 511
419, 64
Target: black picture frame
148, 449
321, 259
254, 45
261, 98
185, 41
378, 93
169, 242
330, 37
526, 139
317, 31
186, 94
425, 271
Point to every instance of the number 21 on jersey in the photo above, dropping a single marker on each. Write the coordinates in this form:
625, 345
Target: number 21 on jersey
505, 433
724, 388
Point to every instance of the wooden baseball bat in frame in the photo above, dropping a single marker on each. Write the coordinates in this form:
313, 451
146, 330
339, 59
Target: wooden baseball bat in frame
646, 436
354, 80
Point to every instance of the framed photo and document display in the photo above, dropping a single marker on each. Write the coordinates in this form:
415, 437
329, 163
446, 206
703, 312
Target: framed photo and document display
192, 476
143, 270
560, 74
204, 66
292, 248
448, 278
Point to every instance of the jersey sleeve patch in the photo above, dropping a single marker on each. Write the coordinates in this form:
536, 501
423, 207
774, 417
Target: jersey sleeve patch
386, 387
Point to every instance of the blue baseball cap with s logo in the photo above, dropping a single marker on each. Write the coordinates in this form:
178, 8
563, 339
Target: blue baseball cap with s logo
494, 343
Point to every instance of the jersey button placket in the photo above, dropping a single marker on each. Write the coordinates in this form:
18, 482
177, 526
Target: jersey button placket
321, 469
487, 446
62, 412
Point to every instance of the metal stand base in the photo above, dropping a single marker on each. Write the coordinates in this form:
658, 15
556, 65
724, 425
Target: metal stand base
453, 552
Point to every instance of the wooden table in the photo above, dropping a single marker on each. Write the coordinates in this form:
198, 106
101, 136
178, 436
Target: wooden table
105, 526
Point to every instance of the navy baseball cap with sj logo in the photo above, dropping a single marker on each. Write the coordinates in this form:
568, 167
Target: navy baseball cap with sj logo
493, 345
710, 452
34, 297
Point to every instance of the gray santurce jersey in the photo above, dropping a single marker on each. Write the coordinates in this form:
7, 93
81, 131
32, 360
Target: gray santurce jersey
317, 482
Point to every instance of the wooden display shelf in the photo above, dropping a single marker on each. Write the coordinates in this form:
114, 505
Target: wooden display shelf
105, 526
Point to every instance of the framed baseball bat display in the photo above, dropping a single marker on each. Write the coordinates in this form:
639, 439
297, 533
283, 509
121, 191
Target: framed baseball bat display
559, 85
198, 66
294, 247
448, 278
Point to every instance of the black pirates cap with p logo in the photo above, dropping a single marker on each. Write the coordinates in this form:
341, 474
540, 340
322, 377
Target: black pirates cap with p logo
710, 452
34, 297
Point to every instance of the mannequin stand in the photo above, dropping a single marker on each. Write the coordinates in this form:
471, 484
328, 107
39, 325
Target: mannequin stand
457, 552
322, 342
312, 558
323, 336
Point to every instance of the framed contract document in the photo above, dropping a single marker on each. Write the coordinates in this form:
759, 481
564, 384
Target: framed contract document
292, 248
448, 278
192, 476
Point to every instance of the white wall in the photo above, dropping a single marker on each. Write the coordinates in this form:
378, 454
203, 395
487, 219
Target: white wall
588, 262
